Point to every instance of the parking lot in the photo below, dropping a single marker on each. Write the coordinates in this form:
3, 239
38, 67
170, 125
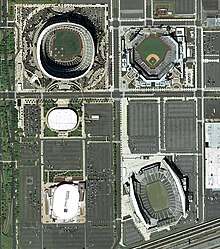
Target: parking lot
99, 237
31, 120
211, 58
212, 203
180, 126
98, 119
62, 154
143, 126
132, 9
187, 165
211, 5
184, 7
212, 109
30, 237
29, 198
64, 236
130, 233
99, 184
30, 151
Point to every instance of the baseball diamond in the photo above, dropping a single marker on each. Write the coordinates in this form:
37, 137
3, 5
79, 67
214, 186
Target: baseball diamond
152, 51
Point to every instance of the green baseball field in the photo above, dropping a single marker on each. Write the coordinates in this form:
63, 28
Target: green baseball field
152, 51
157, 196
66, 45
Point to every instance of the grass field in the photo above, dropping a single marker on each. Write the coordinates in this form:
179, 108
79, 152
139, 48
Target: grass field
164, 4
66, 44
157, 196
152, 45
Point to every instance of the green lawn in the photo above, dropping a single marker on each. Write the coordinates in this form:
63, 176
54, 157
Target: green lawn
6, 242
157, 196
66, 44
49, 133
48, 104
169, 4
152, 45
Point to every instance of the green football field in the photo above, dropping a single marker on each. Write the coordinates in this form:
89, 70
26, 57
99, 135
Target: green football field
157, 196
152, 45
66, 44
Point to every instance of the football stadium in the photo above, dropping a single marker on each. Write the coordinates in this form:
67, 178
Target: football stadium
66, 47
157, 194
153, 55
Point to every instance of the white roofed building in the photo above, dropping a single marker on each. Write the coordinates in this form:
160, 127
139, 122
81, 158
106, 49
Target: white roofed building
65, 202
212, 156
62, 119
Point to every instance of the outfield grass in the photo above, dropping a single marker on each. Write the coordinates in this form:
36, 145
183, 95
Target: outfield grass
66, 44
152, 45
157, 196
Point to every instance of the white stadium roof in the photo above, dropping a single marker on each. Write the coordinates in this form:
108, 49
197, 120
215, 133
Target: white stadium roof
65, 202
62, 119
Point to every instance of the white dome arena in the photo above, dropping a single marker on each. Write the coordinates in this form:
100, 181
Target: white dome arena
62, 119
65, 202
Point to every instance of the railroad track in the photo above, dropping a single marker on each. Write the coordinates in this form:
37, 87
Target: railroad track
179, 237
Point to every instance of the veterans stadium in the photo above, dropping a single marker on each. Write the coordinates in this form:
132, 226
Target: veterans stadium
156, 194
66, 47
62, 47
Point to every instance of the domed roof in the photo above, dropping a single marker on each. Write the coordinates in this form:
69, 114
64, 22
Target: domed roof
62, 119
65, 202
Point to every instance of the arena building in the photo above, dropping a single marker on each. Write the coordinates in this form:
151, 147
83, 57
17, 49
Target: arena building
156, 194
64, 202
65, 48
62, 119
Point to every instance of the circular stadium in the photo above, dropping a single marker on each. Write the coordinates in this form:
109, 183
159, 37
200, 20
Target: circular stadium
157, 194
66, 48
153, 55
62, 119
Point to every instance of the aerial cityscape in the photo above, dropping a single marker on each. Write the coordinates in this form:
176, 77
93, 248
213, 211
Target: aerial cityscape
110, 124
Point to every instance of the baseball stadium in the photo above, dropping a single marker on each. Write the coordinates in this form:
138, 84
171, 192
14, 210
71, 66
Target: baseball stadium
154, 54
66, 47
157, 194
